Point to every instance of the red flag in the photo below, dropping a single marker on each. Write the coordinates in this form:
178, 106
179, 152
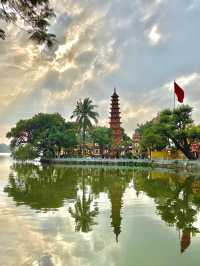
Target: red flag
179, 92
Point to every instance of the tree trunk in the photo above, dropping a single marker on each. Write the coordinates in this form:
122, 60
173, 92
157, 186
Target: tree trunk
83, 142
190, 155
101, 151
185, 148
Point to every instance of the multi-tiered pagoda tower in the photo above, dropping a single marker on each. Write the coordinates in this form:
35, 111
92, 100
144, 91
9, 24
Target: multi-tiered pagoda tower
115, 123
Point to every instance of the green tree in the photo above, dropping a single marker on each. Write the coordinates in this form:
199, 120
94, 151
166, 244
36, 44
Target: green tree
152, 140
126, 140
46, 135
85, 114
126, 144
35, 16
178, 126
103, 137
171, 127
26, 152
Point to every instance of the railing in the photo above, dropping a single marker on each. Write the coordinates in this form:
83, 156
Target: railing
86, 160
129, 162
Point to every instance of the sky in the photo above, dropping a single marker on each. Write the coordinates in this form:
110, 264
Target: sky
137, 46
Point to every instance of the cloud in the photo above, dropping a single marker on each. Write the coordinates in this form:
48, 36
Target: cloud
138, 46
194, 4
154, 35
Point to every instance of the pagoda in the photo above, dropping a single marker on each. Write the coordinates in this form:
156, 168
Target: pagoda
115, 123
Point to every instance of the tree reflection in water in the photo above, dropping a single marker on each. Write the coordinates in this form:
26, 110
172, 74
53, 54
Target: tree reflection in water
47, 187
177, 201
41, 187
82, 213
44, 188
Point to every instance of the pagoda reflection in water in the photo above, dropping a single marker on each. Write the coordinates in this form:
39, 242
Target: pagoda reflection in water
46, 188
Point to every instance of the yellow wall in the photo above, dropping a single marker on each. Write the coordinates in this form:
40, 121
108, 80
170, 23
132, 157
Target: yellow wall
165, 155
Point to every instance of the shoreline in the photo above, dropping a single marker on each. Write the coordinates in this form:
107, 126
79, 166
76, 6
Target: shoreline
171, 164
168, 164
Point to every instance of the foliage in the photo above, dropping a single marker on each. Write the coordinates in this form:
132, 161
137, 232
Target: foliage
102, 136
142, 127
46, 135
177, 125
171, 126
152, 140
26, 152
126, 140
125, 146
35, 16
84, 113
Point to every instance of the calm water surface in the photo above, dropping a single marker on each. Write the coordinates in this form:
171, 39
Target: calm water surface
58, 215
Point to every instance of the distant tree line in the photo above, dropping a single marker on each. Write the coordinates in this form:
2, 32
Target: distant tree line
4, 148
49, 135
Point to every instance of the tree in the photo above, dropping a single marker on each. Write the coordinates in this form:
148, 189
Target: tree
126, 140
84, 113
178, 126
126, 144
35, 16
24, 153
151, 139
43, 135
171, 127
103, 137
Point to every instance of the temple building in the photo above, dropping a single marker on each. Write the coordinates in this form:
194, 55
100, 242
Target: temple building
136, 142
115, 123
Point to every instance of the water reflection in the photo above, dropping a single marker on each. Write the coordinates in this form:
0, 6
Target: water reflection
177, 200
42, 188
45, 188
82, 213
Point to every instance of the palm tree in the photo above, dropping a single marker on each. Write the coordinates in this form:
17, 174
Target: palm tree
84, 113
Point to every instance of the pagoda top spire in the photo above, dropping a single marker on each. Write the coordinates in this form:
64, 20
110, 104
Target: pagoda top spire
115, 92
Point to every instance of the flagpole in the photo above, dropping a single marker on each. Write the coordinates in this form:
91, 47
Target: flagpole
174, 98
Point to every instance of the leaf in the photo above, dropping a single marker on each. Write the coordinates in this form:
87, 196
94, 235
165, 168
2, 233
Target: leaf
2, 34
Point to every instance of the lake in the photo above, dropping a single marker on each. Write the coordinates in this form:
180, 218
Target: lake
69, 215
